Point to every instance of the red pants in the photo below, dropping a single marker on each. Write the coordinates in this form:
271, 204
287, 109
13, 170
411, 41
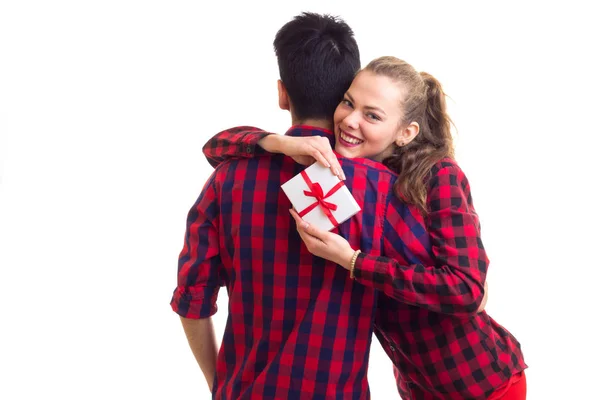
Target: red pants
517, 389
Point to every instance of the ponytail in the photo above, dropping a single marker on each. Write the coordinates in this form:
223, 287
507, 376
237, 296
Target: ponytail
425, 103
436, 117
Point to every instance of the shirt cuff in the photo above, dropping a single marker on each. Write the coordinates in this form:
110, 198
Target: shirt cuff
195, 303
369, 270
249, 144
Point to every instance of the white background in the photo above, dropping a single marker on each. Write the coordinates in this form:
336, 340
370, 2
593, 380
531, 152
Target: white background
104, 107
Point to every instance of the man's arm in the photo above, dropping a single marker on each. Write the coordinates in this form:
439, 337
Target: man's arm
198, 281
201, 338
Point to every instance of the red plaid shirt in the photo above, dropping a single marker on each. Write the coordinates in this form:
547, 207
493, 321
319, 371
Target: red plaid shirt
298, 326
427, 321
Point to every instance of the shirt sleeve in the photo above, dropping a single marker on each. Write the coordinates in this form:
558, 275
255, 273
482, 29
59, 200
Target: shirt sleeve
199, 261
238, 142
454, 284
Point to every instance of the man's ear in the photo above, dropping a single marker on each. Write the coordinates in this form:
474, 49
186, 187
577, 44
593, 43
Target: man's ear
407, 134
284, 100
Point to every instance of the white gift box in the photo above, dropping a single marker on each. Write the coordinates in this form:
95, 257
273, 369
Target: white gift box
336, 203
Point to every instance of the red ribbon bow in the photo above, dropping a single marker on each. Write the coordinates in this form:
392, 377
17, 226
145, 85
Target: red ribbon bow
316, 191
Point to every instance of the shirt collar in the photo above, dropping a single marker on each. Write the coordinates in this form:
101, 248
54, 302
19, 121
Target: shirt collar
307, 130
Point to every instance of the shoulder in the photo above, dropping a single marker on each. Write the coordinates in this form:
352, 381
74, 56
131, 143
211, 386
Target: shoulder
366, 166
446, 166
369, 177
448, 185
248, 168
242, 129
447, 171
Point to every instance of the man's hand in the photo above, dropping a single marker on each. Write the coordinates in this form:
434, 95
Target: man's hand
304, 150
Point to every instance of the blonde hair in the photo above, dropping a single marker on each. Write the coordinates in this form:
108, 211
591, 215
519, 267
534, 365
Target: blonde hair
424, 103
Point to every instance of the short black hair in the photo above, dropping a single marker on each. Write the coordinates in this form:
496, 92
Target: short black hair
318, 57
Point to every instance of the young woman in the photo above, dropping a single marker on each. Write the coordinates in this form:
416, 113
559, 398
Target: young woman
428, 323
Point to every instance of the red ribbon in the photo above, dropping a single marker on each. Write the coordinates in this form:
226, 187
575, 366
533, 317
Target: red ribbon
316, 191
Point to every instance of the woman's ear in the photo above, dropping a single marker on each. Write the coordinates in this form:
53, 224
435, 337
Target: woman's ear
407, 134
284, 100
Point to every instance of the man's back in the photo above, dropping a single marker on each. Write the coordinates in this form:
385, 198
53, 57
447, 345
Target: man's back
298, 326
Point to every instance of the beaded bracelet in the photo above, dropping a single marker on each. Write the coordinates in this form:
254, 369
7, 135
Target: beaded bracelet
354, 257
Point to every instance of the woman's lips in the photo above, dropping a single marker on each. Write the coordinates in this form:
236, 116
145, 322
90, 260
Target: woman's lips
348, 140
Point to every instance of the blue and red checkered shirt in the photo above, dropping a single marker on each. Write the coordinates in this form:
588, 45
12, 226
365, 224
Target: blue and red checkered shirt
298, 326
433, 283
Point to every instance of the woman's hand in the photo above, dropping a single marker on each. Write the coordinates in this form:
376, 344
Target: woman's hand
324, 244
304, 150
485, 298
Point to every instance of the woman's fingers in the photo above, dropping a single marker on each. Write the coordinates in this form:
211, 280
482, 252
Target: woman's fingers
312, 243
316, 232
299, 221
485, 298
316, 147
310, 229
321, 159
323, 146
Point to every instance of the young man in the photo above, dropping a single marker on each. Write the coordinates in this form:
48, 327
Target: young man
298, 325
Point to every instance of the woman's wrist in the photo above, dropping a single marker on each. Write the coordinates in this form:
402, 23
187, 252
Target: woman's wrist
353, 263
271, 143
346, 258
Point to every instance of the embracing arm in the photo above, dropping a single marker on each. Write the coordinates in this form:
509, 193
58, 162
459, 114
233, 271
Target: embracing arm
238, 142
248, 142
453, 283
198, 282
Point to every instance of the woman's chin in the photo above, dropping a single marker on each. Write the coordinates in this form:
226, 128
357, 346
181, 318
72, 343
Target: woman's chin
344, 152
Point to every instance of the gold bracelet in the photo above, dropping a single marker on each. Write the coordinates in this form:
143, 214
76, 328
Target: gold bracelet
354, 257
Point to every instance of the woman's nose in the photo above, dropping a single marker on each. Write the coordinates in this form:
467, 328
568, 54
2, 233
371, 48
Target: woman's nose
351, 121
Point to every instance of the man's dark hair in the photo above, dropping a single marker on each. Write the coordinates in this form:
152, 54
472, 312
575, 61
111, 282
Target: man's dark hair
318, 58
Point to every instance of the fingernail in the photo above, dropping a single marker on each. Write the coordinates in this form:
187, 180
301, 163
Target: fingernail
305, 225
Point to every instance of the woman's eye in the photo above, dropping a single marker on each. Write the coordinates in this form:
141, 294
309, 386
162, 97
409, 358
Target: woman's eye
347, 103
373, 117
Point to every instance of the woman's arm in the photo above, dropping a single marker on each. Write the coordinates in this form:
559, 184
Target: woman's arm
238, 142
448, 280
248, 142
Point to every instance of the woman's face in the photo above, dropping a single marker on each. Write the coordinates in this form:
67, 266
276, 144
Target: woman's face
368, 120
